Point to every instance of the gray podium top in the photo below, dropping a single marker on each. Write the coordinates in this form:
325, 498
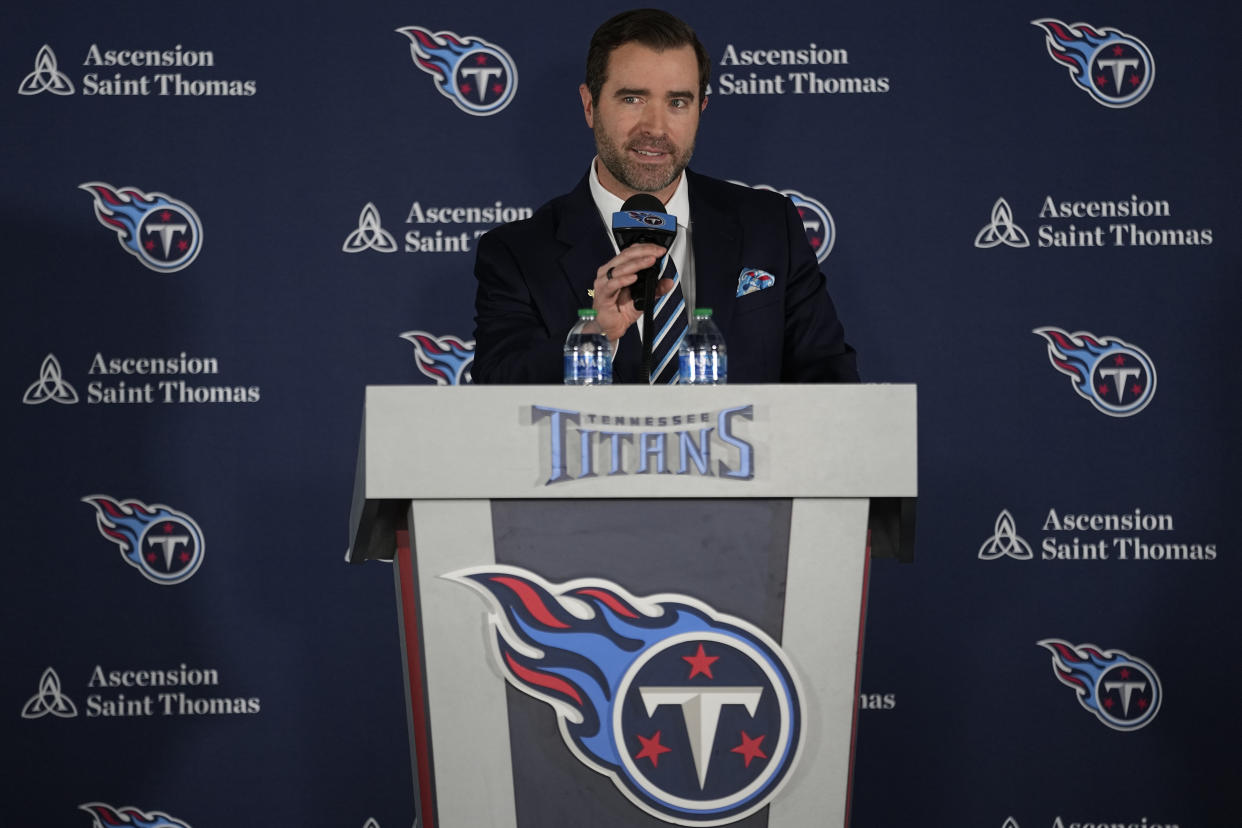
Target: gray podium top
531, 441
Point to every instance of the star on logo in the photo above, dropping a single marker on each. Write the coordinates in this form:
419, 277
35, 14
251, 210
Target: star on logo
749, 748
652, 749
700, 663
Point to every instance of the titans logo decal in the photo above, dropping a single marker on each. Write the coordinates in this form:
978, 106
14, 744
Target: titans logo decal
1111, 66
821, 230
163, 233
694, 715
478, 76
1114, 376
106, 816
1119, 689
165, 545
446, 359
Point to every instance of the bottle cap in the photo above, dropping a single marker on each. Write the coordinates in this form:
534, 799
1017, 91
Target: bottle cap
586, 313
702, 312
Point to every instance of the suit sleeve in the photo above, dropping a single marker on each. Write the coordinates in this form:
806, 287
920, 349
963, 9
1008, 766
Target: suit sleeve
814, 348
514, 344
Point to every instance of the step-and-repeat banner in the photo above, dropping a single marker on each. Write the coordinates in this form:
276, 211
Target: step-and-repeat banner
223, 220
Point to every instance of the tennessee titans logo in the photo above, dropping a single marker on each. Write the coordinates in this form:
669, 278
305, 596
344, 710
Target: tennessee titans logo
1111, 66
163, 233
165, 545
693, 714
820, 229
106, 816
478, 76
653, 219
1114, 376
821, 232
1122, 691
446, 359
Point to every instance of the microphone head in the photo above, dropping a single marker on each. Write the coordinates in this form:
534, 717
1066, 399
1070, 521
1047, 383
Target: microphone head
643, 201
642, 220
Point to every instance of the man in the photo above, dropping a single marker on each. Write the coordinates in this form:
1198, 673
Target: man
741, 252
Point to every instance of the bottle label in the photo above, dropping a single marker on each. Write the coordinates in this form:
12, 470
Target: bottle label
703, 368
583, 368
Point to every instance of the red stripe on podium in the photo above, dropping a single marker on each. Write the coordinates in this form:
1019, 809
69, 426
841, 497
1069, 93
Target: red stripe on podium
408, 599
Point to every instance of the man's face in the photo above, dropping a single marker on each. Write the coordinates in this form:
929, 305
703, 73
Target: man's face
646, 119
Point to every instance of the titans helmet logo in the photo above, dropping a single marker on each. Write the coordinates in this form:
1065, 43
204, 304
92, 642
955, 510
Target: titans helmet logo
161, 232
1120, 690
1114, 68
478, 76
165, 545
694, 715
1116, 377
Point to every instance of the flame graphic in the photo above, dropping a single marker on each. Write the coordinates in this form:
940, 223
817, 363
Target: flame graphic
123, 523
1074, 45
437, 53
121, 210
106, 816
1073, 354
446, 359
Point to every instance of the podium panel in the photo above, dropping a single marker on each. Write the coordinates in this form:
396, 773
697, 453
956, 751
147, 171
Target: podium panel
634, 630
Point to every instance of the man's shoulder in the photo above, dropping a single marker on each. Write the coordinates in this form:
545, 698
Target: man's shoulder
542, 225
740, 196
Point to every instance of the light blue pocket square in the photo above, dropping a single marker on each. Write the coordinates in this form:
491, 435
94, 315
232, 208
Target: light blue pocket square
753, 279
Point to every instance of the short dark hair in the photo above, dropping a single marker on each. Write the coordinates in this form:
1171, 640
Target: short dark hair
653, 28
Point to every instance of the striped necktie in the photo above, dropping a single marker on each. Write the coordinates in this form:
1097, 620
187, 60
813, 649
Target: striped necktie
669, 324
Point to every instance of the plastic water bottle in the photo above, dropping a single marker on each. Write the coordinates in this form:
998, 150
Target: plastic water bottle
702, 356
588, 353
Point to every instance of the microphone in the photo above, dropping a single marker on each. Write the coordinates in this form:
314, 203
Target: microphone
642, 220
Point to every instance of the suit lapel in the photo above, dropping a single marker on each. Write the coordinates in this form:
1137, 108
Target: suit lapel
717, 246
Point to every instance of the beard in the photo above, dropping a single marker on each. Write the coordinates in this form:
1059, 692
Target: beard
640, 177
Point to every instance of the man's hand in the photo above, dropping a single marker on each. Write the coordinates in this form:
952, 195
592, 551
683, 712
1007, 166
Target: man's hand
613, 302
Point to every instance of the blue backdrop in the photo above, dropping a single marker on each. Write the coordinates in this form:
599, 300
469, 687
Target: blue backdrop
224, 220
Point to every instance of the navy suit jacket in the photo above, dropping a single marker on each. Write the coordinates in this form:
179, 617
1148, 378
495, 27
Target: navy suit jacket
534, 275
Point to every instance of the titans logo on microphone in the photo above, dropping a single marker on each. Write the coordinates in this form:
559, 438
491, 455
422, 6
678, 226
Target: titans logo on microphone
1114, 68
1114, 376
478, 76
165, 545
694, 715
161, 232
1121, 691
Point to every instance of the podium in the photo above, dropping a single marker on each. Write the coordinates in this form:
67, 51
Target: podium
630, 607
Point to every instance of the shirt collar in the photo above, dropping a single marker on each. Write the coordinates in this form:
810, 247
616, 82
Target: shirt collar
607, 203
